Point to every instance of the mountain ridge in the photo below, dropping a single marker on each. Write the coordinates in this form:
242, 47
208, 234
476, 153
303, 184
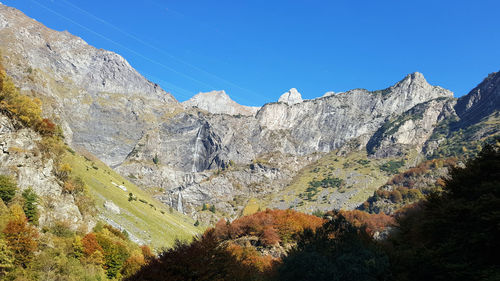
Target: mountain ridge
196, 157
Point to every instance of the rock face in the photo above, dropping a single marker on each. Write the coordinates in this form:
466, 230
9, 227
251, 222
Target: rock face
103, 104
291, 97
218, 102
210, 149
482, 101
20, 157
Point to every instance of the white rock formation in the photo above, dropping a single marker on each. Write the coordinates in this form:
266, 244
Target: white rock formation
291, 97
219, 102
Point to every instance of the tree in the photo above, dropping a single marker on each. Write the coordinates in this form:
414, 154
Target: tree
7, 188
335, 251
6, 258
29, 207
453, 235
21, 237
212, 209
90, 244
197, 223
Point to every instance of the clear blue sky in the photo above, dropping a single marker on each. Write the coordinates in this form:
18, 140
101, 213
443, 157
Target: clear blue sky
256, 50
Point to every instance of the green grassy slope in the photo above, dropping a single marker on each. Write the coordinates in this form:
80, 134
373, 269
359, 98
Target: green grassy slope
359, 175
151, 222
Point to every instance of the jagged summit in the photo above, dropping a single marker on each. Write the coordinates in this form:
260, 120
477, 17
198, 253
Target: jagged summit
219, 102
481, 101
291, 97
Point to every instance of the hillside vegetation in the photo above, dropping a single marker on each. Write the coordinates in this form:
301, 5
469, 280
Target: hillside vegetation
107, 245
449, 235
146, 219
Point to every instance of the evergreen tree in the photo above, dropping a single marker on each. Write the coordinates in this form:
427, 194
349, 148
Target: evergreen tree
30, 208
7, 188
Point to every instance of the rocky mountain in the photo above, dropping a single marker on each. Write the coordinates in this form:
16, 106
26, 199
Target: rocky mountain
218, 102
482, 101
210, 150
103, 104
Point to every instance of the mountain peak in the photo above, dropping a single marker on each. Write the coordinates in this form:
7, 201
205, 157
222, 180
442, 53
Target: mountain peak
219, 102
481, 101
414, 78
291, 97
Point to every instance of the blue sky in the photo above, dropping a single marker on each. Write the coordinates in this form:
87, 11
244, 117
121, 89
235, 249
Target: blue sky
256, 50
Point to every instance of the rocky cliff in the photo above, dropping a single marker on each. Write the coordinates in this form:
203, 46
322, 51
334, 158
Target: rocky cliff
21, 158
103, 103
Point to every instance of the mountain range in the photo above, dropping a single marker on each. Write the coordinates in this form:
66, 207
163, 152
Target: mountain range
210, 150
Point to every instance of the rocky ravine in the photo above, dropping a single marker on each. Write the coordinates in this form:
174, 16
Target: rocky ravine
210, 149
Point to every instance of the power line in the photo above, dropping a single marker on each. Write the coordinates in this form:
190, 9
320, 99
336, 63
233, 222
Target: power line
130, 35
126, 48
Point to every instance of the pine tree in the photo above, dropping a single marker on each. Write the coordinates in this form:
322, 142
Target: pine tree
30, 208
7, 188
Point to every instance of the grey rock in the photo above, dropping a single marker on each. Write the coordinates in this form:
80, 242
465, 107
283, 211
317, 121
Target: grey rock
110, 206
480, 102
291, 97
20, 157
218, 102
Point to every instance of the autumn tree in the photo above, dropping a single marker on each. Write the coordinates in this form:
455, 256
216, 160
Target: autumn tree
90, 244
6, 258
21, 237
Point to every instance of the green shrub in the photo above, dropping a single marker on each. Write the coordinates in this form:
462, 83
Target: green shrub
392, 166
7, 188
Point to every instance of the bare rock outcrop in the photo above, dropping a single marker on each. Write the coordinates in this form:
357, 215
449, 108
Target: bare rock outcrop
218, 102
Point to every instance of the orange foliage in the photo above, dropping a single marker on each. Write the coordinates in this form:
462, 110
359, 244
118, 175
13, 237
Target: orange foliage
146, 252
90, 244
271, 226
46, 127
249, 257
371, 222
420, 169
21, 239
133, 264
